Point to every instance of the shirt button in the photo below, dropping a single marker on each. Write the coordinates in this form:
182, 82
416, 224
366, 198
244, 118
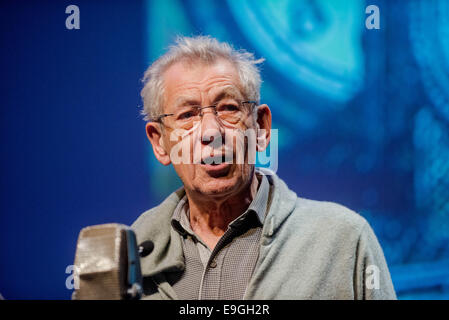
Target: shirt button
213, 264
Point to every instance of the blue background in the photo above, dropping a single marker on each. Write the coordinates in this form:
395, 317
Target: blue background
363, 119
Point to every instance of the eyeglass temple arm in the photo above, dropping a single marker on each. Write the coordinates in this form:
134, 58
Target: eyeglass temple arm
160, 117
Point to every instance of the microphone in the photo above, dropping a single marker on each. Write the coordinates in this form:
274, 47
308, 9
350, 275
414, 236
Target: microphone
145, 248
107, 263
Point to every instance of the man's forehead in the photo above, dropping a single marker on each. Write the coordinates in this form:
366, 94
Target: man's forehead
185, 77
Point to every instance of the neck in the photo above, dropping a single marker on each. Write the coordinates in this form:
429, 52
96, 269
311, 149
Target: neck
210, 218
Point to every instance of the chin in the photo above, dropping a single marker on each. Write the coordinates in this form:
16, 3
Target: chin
217, 188
206, 184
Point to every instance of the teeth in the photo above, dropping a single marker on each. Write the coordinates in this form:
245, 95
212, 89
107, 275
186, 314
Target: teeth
213, 160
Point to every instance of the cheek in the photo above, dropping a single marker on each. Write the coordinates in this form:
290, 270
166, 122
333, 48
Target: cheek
243, 145
187, 174
250, 121
181, 148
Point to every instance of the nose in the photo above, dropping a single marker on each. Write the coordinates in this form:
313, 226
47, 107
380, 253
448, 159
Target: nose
211, 128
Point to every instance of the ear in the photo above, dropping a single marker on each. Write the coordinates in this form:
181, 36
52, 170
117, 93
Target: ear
154, 134
263, 127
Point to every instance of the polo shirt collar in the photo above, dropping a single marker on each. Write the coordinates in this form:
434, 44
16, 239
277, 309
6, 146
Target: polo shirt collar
180, 220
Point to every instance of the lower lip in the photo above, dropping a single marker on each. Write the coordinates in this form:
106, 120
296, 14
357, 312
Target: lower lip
217, 169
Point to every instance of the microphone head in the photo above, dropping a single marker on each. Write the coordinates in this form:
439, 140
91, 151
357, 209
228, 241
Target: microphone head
101, 262
145, 248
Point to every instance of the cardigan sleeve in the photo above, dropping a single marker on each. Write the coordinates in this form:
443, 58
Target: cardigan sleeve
372, 277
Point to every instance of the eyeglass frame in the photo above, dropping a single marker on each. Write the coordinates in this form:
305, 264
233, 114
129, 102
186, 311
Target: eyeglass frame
160, 117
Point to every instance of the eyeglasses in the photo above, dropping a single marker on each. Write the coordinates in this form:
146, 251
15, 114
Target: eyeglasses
230, 113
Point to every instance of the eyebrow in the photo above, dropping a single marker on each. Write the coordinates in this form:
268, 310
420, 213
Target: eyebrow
182, 101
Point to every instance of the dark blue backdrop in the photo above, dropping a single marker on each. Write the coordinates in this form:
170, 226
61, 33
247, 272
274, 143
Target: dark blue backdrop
362, 115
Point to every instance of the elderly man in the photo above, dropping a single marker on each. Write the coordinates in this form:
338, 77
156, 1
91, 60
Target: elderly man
234, 231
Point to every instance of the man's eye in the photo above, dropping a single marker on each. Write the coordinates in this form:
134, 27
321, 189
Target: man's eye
229, 107
186, 115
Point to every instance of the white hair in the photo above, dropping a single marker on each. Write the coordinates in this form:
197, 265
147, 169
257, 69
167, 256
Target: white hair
203, 49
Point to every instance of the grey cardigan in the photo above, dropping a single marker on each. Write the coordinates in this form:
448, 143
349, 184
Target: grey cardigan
308, 250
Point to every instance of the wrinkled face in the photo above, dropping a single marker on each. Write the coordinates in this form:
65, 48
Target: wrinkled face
214, 152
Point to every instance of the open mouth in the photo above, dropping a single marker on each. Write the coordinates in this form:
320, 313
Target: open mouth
216, 166
217, 160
